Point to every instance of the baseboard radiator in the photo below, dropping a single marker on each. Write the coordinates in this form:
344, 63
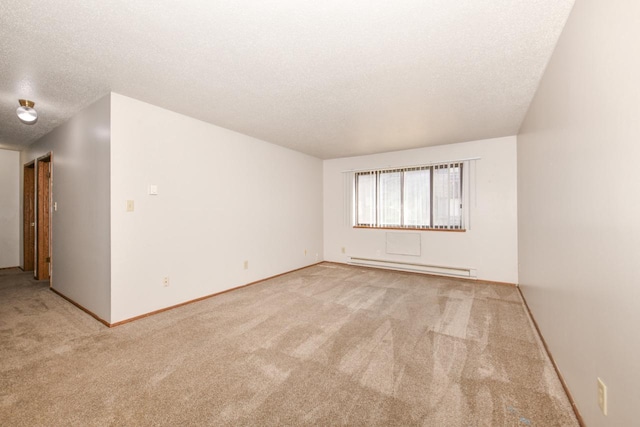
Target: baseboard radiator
414, 267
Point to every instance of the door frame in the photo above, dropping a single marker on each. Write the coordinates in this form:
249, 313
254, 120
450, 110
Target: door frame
29, 216
44, 187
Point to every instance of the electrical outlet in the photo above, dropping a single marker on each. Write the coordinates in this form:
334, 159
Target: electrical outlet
344, 250
129, 205
602, 396
305, 252
165, 281
246, 265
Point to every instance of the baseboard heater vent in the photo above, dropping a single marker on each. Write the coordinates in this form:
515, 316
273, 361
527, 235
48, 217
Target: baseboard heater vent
414, 267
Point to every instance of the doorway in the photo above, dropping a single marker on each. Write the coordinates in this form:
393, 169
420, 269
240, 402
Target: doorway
29, 217
43, 219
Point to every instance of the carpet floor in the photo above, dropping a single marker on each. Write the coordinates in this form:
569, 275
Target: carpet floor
326, 345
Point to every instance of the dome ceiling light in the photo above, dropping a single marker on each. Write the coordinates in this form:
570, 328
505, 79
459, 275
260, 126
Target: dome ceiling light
26, 113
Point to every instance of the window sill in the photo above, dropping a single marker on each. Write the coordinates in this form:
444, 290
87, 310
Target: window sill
448, 230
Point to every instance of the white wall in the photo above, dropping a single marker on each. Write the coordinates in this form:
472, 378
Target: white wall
80, 186
490, 246
223, 198
579, 207
10, 219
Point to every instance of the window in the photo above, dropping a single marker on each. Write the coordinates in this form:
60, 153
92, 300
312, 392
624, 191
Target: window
423, 197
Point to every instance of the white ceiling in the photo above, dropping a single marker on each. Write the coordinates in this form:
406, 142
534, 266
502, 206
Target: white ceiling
328, 78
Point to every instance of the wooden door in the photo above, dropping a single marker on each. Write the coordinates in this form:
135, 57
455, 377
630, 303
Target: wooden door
44, 219
29, 217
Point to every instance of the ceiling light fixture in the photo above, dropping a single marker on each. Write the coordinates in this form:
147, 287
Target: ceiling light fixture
26, 113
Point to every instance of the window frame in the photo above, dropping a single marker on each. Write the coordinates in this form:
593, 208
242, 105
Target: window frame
377, 172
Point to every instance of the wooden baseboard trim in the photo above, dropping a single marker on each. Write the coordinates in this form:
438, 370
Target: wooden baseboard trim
553, 362
492, 282
90, 313
9, 268
467, 279
142, 316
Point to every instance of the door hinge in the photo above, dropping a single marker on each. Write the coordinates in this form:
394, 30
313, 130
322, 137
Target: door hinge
48, 259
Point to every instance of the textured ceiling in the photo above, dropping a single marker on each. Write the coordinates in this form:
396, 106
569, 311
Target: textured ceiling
328, 78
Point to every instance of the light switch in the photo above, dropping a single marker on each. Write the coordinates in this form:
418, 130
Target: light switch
129, 205
152, 190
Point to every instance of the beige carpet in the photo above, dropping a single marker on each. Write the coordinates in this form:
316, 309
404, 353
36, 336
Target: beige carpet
325, 345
